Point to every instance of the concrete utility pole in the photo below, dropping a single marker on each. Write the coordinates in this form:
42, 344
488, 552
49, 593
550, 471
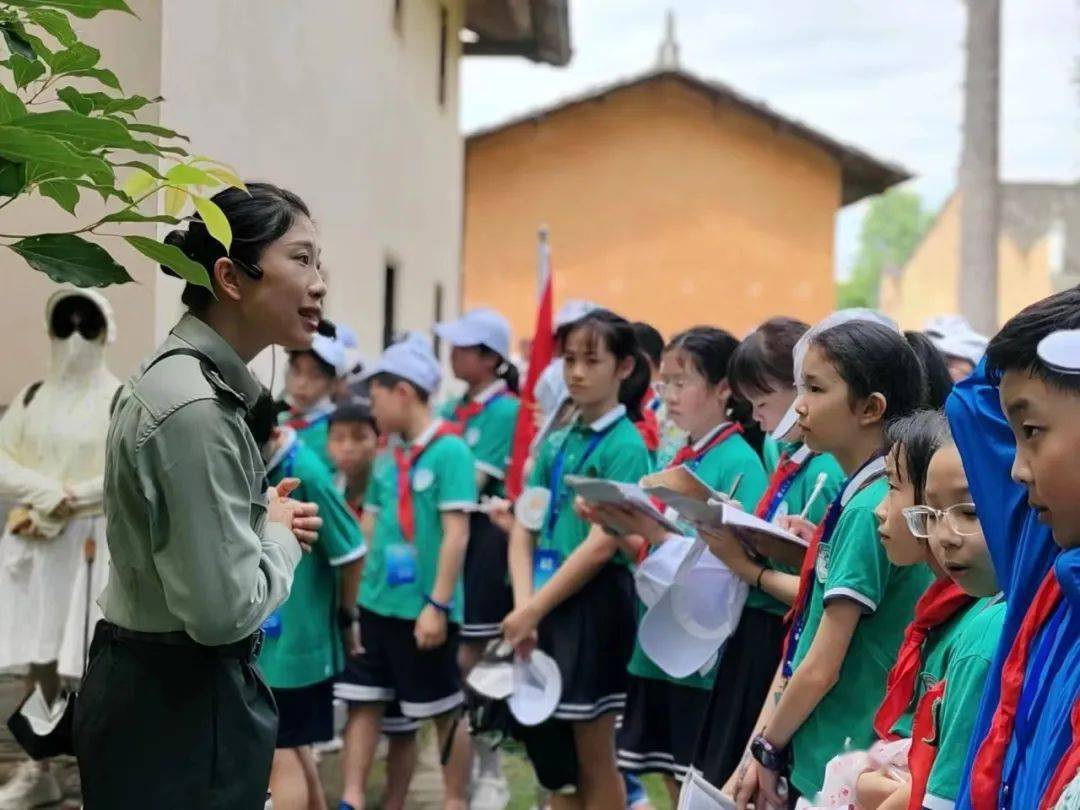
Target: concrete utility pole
978, 180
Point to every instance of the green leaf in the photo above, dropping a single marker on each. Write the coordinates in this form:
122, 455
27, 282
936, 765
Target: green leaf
71, 60
12, 178
106, 192
17, 43
66, 258
129, 105
84, 9
11, 106
25, 146
175, 200
23, 70
183, 175
106, 77
56, 23
64, 192
227, 177
81, 103
214, 219
172, 257
139, 183
131, 215
80, 131
146, 167
150, 129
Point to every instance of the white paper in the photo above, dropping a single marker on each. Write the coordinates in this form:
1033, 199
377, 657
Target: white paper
737, 518
618, 493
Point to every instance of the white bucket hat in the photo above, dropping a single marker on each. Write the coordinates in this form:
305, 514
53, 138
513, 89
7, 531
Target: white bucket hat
537, 689
655, 575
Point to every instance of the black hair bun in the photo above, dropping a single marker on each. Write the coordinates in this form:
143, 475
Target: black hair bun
178, 239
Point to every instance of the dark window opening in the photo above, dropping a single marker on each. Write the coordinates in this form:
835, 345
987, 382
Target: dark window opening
443, 52
389, 303
438, 316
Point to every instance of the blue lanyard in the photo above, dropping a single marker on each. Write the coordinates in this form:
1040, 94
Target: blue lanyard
556, 482
289, 461
785, 486
1029, 694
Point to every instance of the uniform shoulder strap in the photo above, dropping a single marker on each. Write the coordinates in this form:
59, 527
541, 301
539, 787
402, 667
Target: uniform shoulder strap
202, 358
31, 392
115, 399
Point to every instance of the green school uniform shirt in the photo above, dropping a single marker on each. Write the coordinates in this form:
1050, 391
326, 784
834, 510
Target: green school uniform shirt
795, 502
313, 428
719, 468
853, 566
620, 456
191, 547
490, 434
308, 650
965, 680
936, 653
442, 481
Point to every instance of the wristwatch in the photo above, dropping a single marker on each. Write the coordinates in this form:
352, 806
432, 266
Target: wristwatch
347, 617
768, 755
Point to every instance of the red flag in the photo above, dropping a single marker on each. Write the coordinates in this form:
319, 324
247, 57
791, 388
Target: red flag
543, 350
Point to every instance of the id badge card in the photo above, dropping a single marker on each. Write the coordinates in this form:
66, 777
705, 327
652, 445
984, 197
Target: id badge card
401, 564
545, 564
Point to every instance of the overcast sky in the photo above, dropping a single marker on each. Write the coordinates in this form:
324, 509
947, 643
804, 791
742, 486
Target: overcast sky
883, 76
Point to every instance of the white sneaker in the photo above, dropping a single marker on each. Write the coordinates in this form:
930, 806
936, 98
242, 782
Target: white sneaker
32, 785
490, 793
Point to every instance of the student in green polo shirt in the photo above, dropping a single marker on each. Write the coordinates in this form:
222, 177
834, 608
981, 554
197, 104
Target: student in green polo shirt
855, 375
416, 519
573, 591
486, 416
309, 387
309, 636
664, 714
953, 677
761, 372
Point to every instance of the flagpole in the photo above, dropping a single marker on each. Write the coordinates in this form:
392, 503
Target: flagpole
542, 254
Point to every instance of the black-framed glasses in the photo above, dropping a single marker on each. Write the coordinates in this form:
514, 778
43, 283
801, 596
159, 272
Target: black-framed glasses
961, 519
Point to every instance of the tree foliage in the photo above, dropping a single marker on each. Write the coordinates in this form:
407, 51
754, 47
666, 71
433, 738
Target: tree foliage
67, 128
894, 225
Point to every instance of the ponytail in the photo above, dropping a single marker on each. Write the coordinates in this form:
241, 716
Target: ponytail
939, 382
509, 374
634, 388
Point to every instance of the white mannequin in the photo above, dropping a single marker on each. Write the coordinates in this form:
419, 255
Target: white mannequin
52, 459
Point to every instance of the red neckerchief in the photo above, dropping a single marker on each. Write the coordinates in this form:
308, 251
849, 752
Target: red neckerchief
687, 454
989, 762
786, 469
806, 573
942, 600
467, 410
924, 744
649, 429
405, 462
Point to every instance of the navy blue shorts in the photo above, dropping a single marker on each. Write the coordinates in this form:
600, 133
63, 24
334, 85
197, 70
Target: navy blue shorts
305, 715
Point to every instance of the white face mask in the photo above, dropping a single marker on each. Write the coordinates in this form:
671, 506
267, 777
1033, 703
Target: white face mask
75, 356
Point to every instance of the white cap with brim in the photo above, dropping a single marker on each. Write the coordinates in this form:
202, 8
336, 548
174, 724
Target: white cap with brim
655, 575
573, 310
537, 689
478, 327
698, 794
791, 418
1060, 351
412, 359
693, 618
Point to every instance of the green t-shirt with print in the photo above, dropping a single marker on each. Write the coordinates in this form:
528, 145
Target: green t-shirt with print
619, 455
490, 436
936, 653
965, 680
719, 468
853, 566
308, 649
443, 480
794, 502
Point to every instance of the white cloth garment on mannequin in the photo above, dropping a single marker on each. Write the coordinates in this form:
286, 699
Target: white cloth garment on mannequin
51, 449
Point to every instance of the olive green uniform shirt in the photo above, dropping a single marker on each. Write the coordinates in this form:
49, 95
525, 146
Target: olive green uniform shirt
185, 498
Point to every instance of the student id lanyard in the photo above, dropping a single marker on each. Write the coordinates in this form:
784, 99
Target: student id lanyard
555, 484
465, 412
787, 470
691, 458
870, 471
